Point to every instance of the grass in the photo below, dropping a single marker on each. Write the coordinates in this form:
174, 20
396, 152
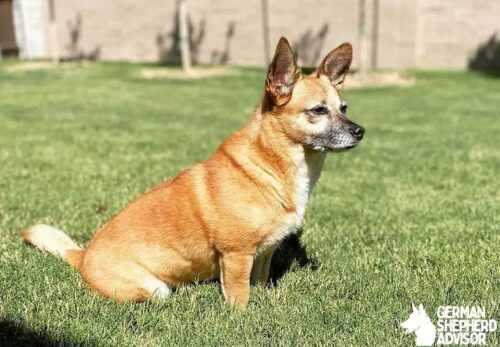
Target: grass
410, 216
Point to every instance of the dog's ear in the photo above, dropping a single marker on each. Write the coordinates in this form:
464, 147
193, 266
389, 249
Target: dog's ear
414, 308
282, 74
336, 65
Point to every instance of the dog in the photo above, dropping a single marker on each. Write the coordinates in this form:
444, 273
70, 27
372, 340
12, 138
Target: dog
420, 324
225, 216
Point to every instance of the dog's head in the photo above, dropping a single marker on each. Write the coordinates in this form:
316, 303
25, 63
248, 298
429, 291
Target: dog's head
309, 108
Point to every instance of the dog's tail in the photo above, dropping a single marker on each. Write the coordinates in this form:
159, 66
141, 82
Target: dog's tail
56, 242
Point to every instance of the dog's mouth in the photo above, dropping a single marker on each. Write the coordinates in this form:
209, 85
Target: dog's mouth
333, 149
343, 149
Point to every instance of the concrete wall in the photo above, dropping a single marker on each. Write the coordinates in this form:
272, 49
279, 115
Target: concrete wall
112, 29
223, 31
451, 31
420, 33
396, 34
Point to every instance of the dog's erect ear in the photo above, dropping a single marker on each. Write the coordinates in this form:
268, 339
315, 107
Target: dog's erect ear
282, 74
414, 307
336, 65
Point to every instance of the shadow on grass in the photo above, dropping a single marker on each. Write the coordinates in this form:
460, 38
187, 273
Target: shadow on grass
489, 73
290, 254
16, 335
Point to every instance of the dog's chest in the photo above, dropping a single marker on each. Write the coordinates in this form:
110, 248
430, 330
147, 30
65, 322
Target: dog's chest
307, 175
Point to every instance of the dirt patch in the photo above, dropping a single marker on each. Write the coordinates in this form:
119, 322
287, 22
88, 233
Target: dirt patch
43, 65
379, 79
178, 74
353, 81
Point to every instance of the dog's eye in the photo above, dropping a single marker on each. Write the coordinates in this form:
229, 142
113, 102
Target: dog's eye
319, 110
343, 107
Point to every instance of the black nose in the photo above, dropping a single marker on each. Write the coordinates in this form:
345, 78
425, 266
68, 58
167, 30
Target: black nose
357, 131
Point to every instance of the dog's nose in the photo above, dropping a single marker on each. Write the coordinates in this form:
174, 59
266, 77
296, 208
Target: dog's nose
357, 131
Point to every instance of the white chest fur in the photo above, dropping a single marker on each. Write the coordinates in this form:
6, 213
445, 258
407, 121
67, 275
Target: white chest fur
307, 176
309, 170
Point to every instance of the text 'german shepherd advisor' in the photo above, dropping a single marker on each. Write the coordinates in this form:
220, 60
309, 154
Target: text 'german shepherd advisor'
224, 217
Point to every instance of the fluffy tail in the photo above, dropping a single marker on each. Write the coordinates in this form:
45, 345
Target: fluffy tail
56, 242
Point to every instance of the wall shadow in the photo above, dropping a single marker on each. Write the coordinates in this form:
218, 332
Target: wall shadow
487, 56
13, 334
308, 47
168, 44
222, 56
291, 254
73, 48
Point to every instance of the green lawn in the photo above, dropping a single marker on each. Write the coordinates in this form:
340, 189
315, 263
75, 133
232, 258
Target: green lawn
412, 215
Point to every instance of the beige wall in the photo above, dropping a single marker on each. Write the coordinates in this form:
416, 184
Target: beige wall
451, 31
113, 29
223, 31
396, 34
420, 33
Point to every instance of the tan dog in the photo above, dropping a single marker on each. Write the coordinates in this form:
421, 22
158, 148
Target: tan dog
224, 217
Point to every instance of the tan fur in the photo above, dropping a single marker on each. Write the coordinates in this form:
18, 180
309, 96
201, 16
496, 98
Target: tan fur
222, 217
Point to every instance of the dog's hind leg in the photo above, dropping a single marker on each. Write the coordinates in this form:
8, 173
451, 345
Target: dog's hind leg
123, 280
158, 289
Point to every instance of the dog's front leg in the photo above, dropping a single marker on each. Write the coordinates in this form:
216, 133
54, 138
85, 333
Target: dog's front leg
235, 277
261, 268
